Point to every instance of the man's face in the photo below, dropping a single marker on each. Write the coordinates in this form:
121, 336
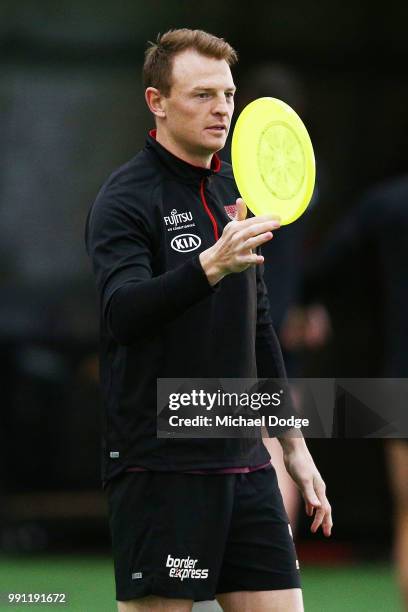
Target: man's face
200, 104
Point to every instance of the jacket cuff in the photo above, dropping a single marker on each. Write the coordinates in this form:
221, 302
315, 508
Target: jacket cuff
190, 280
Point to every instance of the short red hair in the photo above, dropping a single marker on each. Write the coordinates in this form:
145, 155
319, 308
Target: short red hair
157, 68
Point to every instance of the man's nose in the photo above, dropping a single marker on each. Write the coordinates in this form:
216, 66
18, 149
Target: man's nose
221, 107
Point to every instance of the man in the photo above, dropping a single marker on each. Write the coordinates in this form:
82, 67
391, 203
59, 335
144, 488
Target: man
182, 295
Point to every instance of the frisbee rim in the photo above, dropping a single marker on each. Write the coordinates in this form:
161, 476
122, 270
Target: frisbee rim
246, 137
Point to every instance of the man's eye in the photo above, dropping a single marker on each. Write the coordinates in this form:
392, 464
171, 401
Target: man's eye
229, 94
203, 95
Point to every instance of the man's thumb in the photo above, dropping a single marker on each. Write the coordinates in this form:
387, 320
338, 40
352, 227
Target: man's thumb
241, 210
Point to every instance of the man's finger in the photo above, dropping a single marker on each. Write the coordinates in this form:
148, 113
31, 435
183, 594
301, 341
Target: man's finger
327, 524
253, 243
250, 258
264, 218
255, 229
241, 210
323, 518
309, 509
310, 496
318, 519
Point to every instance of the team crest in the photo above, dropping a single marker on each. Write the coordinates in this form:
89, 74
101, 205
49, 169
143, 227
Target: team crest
231, 211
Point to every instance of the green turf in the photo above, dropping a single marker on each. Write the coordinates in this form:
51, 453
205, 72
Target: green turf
359, 588
88, 583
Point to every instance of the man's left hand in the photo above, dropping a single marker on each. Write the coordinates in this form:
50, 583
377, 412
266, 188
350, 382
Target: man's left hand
301, 467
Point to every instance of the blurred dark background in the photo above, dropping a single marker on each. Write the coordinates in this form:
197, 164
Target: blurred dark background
72, 110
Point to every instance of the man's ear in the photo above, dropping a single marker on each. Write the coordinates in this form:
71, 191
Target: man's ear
155, 102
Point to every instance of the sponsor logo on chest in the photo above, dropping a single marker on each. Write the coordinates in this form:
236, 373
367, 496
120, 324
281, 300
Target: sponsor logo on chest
178, 220
184, 243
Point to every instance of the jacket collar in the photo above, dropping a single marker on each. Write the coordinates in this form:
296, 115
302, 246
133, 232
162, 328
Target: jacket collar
178, 167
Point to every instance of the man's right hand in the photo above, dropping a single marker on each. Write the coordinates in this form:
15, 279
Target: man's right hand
233, 252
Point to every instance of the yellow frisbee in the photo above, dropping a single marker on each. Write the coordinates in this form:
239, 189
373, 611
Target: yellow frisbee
273, 160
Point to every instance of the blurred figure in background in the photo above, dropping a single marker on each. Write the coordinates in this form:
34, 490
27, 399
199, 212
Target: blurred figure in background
375, 235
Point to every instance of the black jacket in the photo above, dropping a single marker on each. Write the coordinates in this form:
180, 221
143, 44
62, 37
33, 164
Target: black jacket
159, 315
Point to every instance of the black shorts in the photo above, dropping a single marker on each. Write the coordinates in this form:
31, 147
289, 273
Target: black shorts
192, 536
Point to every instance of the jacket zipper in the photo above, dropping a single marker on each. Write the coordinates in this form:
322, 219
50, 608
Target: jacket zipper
207, 209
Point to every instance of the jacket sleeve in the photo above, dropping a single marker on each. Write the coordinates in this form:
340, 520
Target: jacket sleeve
269, 361
269, 358
120, 240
